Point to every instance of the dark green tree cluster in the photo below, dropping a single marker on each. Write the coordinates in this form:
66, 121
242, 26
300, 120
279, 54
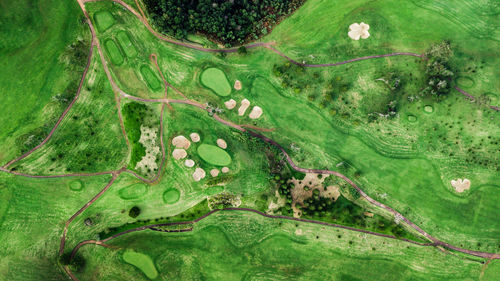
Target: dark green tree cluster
438, 69
227, 21
134, 212
135, 115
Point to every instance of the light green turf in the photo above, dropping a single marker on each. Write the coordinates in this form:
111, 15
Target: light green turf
171, 196
114, 52
214, 155
150, 77
243, 246
141, 261
104, 20
134, 191
126, 45
76, 185
216, 80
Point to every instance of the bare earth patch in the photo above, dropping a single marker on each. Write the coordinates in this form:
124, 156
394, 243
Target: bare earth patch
244, 105
181, 142
359, 30
189, 163
460, 185
230, 104
179, 153
199, 174
214, 172
225, 170
148, 165
255, 113
194, 137
237, 85
222, 143
303, 189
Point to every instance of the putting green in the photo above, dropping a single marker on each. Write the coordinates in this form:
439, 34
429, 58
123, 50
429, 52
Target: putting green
141, 261
214, 155
412, 118
171, 196
114, 52
216, 80
104, 20
151, 80
465, 82
127, 45
133, 191
76, 185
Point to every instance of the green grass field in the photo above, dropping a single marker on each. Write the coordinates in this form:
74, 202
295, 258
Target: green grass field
216, 80
369, 120
141, 261
214, 155
40, 73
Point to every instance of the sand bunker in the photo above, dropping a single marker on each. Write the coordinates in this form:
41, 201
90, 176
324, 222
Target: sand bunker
237, 85
179, 153
244, 105
359, 30
256, 112
195, 137
225, 170
199, 174
181, 142
460, 185
368, 214
189, 163
214, 172
222, 143
230, 104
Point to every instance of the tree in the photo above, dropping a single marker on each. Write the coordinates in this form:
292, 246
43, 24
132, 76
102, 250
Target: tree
134, 212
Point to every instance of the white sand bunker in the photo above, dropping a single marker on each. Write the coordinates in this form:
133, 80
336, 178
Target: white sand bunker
189, 163
195, 137
181, 142
225, 170
179, 153
148, 165
255, 113
199, 174
214, 172
244, 105
237, 85
359, 30
222, 143
460, 185
230, 104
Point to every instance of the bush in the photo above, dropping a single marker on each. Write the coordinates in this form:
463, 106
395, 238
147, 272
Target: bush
134, 212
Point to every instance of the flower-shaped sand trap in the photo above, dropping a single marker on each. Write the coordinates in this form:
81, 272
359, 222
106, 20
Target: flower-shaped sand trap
357, 30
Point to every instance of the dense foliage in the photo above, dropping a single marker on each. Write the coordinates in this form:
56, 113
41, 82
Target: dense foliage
230, 22
438, 68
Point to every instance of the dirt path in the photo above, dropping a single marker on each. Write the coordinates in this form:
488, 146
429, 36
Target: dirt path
155, 227
63, 237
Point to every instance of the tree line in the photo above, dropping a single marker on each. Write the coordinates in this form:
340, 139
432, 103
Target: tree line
230, 22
